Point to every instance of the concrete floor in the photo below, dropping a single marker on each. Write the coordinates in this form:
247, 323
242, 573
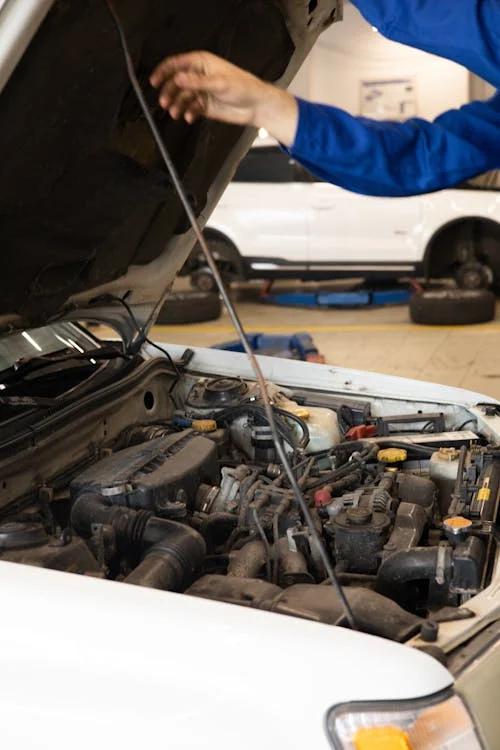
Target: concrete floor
382, 340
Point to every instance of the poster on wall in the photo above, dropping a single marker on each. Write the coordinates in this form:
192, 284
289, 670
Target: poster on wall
394, 99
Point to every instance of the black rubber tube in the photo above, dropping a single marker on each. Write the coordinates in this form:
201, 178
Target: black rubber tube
416, 490
90, 509
338, 480
363, 445
418, 564
346, 483
171, 552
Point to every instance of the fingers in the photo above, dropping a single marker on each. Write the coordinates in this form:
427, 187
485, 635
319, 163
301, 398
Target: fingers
168, 94
183, 104
215, 84
200, 84
186, 86
171, 65
196, 110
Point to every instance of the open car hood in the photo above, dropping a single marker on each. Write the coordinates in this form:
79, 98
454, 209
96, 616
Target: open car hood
87, 209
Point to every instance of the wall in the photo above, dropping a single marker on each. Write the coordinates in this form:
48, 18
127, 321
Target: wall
479, 89
352, 51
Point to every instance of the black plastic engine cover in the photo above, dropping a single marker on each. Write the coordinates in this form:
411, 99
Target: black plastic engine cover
151, 475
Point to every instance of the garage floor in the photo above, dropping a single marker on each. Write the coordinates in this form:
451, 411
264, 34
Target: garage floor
382, 340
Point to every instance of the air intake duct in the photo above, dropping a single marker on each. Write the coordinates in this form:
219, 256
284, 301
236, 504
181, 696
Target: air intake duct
170, 553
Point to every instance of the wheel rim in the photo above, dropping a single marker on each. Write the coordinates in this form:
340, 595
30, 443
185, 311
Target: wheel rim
472, 280
205, 283
474, 276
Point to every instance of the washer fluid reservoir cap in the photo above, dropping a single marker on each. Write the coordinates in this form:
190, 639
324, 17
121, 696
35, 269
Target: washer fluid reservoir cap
447, 454
392, 455
299, 411
204, 425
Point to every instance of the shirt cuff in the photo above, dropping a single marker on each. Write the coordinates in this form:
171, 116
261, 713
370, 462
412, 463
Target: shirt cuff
302, 132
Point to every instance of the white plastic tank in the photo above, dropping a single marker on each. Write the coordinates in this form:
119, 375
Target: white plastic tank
323, 424
443, 471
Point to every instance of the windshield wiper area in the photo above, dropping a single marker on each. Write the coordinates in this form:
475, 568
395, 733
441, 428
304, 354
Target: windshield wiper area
22, 372
23, 367
29, 402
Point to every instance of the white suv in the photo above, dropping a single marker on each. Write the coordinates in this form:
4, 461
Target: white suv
277, 221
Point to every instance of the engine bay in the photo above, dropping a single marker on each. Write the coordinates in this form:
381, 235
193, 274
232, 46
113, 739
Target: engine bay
188, 495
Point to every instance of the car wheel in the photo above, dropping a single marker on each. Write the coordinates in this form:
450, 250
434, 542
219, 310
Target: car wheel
203, 280
474, 275
452, 307
190, 307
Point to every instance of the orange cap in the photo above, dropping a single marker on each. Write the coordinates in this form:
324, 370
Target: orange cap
457, 523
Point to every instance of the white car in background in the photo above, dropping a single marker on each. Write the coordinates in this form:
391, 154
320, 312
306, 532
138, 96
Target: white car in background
275, 220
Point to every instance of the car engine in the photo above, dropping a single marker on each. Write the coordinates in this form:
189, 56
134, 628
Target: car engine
198, 503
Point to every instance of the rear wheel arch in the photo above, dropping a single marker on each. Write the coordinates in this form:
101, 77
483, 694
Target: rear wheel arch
225, 248
442, 254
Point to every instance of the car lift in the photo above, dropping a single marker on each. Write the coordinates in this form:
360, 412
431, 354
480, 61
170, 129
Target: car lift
361, 297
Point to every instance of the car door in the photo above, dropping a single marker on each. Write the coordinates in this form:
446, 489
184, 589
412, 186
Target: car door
365, 232
265, 212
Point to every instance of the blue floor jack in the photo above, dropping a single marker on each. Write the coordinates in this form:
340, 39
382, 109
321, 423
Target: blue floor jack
299, 346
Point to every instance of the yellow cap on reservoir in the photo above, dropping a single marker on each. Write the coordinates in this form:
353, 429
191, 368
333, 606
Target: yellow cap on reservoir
204, 425
392, 455
300, 412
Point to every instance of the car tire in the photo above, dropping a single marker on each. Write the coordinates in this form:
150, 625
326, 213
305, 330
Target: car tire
451, 307
190, 307
473, 275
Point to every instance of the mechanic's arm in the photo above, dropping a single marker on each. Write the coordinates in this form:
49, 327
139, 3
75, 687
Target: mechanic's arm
365, 156
466, 31
398, 159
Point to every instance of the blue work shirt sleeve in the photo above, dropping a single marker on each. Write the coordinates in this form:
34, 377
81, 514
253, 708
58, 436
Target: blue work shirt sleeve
398, 159
466, 31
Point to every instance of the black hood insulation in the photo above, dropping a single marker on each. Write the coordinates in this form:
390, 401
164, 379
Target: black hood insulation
84, 194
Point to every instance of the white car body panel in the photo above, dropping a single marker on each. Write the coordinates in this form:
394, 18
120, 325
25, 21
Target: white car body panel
19, 22
350, 227
330, 378
105, 664
265, 223
342, 227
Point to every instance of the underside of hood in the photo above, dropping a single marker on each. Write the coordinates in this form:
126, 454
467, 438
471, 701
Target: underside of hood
87, 209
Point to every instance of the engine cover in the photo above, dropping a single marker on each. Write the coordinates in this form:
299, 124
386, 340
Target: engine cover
154, 475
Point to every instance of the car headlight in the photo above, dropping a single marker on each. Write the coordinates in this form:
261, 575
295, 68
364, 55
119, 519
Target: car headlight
442, 723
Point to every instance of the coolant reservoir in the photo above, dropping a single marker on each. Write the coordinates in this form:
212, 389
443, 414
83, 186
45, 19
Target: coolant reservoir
443, 472
323, 424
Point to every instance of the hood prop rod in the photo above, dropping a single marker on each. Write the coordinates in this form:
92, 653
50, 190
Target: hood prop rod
297, 492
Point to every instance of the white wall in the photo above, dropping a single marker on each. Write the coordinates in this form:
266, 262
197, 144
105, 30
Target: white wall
350, 52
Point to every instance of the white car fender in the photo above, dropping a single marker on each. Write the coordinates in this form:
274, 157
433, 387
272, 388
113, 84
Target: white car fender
102, 664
